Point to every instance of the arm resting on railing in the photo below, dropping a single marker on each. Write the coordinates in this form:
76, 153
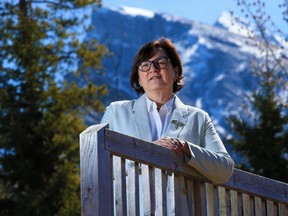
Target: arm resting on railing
217, 167
208, 154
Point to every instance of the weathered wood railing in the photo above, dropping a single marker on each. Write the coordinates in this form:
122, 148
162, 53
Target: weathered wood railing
107, 188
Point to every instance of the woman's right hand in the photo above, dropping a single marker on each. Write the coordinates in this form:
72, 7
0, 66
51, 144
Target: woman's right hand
174, 144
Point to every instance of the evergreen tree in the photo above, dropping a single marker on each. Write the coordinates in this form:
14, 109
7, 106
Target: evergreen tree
260, 131
262, 135
42, 114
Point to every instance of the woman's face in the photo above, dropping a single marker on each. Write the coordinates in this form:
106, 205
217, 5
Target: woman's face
156, 79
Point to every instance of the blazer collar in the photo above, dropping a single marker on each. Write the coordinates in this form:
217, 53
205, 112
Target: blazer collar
178, 119
141, 119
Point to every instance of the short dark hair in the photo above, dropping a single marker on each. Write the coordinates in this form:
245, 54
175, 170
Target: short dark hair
146, 52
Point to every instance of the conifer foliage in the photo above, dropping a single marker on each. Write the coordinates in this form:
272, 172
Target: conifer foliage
41, 115
260, 129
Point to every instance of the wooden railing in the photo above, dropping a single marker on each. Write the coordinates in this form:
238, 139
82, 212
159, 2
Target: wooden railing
113, 167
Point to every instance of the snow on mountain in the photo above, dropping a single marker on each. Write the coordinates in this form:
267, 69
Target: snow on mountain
243, 27
131, 11
234, 24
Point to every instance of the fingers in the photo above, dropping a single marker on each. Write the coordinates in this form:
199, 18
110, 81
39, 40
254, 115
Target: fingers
177, 144
166, 142
171, 143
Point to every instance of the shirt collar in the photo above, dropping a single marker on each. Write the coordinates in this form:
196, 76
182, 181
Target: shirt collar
151, 105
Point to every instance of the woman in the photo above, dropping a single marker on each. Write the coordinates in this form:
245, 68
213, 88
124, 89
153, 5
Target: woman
158, 115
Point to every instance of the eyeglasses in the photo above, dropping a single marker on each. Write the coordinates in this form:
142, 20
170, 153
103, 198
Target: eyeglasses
158, 63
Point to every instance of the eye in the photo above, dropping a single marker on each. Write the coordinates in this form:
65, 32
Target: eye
162, 62
145, 64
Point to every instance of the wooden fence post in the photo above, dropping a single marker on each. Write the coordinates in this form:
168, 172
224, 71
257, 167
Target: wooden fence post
96, 173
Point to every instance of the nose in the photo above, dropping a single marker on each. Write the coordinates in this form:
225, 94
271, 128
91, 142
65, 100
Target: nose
155, 66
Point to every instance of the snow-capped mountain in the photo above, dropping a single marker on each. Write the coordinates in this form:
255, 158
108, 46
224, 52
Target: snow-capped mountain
215, 58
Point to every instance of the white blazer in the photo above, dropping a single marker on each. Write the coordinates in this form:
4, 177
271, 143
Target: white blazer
209, 156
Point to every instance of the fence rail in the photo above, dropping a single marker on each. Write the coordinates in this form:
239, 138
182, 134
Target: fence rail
122, 175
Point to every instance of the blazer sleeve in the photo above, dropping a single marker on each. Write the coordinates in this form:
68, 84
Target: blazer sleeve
108, 116
210, 158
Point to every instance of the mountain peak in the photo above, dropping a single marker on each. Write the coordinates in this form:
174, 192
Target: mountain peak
132, 11
233, 23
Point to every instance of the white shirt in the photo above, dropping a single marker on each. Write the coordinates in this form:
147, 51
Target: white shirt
159, 121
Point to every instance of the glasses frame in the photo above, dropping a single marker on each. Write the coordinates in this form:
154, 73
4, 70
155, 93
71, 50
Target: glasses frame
155, 63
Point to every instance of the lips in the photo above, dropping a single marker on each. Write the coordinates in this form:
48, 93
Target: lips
155, 77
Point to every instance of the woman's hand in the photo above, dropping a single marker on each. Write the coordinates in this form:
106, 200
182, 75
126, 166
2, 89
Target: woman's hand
174, 144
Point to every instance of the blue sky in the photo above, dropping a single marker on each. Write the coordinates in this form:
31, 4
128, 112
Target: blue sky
206, 11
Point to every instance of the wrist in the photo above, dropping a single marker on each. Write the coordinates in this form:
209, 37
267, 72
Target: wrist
186, 149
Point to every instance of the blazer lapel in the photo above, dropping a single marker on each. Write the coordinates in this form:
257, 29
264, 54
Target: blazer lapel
141, 119
178, 120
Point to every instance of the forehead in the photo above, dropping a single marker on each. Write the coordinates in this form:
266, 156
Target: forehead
157, 53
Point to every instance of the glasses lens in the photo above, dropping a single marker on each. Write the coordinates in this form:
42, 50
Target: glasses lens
161, 62
144, 66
